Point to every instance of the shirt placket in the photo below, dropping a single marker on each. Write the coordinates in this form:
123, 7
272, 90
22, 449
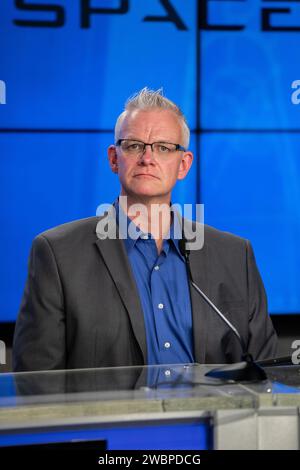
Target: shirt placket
160, 306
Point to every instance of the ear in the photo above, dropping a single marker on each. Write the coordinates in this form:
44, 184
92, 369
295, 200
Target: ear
113, 158
185, 165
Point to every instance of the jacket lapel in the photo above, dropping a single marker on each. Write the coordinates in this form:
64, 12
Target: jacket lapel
200, 309
114, 254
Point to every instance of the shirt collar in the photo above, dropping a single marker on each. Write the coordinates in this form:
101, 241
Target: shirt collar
174, 235
123, 222
176, 232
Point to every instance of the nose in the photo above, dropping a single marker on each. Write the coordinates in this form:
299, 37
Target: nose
147, 157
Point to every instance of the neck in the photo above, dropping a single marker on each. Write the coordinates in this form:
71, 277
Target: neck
151, 216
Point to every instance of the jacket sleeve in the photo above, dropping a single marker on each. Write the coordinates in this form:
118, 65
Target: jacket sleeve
262, 336
39, 338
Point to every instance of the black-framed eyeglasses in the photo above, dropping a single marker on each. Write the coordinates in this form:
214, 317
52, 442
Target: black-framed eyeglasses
137, 148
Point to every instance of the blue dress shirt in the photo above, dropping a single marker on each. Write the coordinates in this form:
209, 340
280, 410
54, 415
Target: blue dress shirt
162, 283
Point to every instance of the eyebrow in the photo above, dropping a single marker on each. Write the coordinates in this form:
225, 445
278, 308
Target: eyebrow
171, 141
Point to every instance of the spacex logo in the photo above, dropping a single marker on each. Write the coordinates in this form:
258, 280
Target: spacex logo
49, 15
2, 92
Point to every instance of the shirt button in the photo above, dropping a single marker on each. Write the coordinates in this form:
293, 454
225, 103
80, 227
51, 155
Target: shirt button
167, 345
156, 268
160, 306
167, 373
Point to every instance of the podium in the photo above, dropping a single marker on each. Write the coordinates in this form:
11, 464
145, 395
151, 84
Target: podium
156, 407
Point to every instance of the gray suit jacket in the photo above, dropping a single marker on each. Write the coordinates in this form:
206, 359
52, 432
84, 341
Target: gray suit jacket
81, 306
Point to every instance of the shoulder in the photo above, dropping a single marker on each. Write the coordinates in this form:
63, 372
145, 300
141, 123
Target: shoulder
213, 237
227, 246
224, 253
70, 233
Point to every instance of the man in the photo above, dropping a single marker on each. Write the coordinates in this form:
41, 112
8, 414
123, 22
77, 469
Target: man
96, 299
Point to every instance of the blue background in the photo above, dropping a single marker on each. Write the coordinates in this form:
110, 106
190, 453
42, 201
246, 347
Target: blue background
66, 86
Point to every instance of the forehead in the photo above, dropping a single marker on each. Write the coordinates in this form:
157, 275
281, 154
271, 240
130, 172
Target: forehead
159, 124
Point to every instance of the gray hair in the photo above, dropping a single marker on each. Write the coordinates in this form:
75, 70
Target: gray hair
149, 99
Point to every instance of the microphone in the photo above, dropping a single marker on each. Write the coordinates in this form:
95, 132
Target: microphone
247, 370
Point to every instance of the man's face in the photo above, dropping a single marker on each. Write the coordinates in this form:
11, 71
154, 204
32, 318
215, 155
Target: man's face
149, 175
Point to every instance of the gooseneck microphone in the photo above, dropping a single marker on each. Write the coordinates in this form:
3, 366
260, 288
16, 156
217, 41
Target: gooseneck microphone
247, 370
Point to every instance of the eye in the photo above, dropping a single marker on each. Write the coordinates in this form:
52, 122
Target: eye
163, 148
135, 147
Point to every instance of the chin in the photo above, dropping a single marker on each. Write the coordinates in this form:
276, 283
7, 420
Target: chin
144, 194
146, 190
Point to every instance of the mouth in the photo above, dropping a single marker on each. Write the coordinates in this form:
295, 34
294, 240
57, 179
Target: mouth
145, 175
